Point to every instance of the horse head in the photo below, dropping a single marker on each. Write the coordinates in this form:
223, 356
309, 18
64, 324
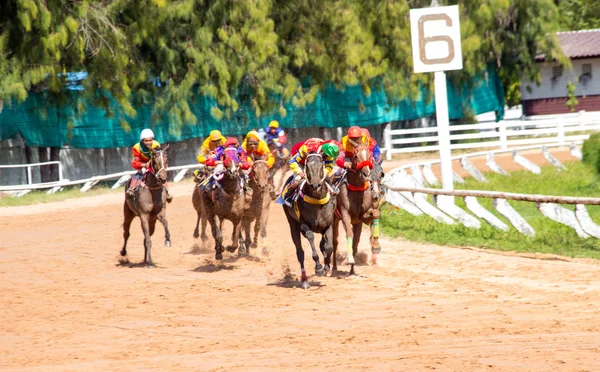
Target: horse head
362, 161
159, 163
260, 173
314, 170
231, 161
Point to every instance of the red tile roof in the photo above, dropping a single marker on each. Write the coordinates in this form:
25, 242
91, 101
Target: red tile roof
578, 44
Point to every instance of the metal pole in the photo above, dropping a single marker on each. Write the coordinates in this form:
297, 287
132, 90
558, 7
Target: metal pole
29, 180
443, 125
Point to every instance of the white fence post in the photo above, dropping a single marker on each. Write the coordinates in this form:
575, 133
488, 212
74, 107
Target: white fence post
560, 128
387, 137
29, 179
503, 137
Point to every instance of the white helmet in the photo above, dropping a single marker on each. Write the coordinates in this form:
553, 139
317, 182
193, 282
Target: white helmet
146, 133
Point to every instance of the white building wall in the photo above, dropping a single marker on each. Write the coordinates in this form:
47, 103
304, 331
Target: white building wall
558, 88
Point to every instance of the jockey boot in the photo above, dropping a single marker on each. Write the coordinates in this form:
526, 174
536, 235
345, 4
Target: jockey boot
132, 185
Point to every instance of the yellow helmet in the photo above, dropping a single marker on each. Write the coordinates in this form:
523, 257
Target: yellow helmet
274, 124
253, 134
215, 135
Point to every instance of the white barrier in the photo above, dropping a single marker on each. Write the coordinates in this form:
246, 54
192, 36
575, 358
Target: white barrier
29, 166
399, 183
546, 129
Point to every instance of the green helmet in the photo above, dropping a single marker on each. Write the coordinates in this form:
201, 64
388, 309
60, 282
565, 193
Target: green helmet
330, 150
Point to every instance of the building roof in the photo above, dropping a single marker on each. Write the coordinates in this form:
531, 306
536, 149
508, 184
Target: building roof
578, 44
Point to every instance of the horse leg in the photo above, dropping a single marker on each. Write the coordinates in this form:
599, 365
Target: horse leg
334, 239
236, 235
128, 217
356, 230
147, 241
246, 222
162, 217
264, 217
347, 221
327, 245
257, 228
217, 236
196, 230
204, 221
311, 239
375, 247
295, 232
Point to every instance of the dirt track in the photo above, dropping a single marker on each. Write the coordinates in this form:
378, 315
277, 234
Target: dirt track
68, 305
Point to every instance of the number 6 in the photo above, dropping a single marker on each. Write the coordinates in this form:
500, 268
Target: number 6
424, 40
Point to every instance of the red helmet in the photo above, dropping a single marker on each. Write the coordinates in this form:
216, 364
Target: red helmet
231, 141
354, 132
365, 132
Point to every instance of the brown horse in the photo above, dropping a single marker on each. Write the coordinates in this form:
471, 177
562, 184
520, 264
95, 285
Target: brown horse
312, 212
259, 206
199, 207
149, 203
357, 203
226, 201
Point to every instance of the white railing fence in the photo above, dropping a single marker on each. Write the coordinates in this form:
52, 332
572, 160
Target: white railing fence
29, 166
408, 192
546, 129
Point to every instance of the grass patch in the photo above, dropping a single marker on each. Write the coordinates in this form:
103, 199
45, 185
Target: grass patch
551, 237
36, 197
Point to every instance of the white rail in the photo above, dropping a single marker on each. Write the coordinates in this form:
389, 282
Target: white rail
29, 166
545, 129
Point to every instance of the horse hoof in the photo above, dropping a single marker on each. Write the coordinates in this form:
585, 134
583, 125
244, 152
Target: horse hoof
376, 250
241, 252
265, 251
230, 249
204, 238
123, 252
254, 245
305, 285
196, 235
167, 243
149, 265
320, 272
218, 256
350, 260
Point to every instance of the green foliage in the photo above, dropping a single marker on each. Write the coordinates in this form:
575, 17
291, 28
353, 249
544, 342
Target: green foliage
572, 100
579, 14
262, 52
591, 151
551, 237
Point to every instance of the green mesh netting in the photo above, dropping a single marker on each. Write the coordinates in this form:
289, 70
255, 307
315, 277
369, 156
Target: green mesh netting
42, 123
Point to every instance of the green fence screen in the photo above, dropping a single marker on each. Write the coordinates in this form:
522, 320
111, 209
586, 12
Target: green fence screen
41, 123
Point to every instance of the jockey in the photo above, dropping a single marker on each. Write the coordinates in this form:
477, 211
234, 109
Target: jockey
208, 148
329, 149
349, 142
140, 160
254, 146
276, 136
373, 146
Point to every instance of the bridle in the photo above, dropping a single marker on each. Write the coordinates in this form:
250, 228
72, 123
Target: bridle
320, 157
162, 166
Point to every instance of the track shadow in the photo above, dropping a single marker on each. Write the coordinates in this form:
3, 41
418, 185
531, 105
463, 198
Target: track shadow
285, 283
131, 265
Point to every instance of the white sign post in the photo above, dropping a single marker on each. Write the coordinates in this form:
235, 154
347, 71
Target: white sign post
436, 47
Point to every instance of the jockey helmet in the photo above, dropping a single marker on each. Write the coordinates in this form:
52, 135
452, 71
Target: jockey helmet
253, 135
365, 132
274, 124
215, 135
330, 150
231, 141
354, 132
146, 133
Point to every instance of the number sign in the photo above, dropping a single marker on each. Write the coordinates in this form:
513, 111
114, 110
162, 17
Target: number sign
435, 36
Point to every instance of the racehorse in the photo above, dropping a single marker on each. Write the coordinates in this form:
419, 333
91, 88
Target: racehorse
259, 206
357, 203
149, 203
226, 201
199, 207
312, 212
